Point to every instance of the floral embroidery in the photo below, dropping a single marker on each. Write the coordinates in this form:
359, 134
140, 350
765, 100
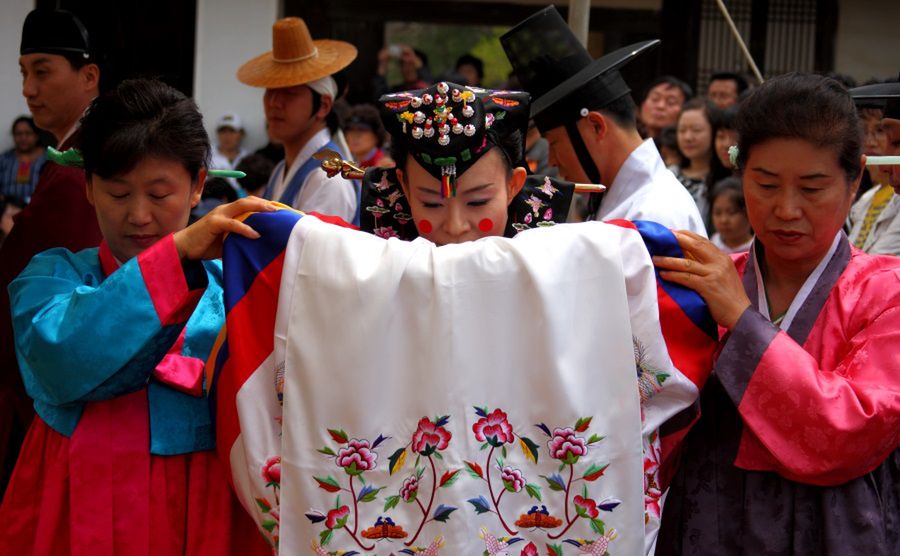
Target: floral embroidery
355, 457
652, 491
271, 473
385, 232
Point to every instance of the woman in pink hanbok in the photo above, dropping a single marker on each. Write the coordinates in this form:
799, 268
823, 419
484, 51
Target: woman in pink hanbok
796, 448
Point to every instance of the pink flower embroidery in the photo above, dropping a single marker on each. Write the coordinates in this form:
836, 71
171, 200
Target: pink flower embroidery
512, 479
410, 488
356, 457
548, 214
529, 550
271, 471
566, 447
586, 507
495, 429
528, 218
385, 232
337, 518
430, 437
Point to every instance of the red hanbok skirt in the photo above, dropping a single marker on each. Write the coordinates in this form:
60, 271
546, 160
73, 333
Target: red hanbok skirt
101, 493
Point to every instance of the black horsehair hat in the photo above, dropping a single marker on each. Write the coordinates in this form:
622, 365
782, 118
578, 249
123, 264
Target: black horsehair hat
55, 32
560, 73
448, 127
888, 92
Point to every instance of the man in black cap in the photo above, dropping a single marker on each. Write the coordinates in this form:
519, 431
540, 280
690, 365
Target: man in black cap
60, 78
584, 109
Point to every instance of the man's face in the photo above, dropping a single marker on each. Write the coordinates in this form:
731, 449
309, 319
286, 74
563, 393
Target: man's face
661, 107
723, 92
289, 112
56, 93
562, 155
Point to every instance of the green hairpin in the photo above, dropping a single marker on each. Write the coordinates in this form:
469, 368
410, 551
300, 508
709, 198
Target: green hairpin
72, 157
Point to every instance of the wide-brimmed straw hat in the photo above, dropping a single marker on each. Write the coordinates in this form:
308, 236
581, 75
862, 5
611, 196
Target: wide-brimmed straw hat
295, 58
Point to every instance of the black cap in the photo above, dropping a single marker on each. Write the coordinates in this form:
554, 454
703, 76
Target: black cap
444, 127
55, 32
559, 72
887, 92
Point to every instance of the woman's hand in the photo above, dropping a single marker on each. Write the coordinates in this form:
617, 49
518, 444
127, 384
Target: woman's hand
709, 272
203, 239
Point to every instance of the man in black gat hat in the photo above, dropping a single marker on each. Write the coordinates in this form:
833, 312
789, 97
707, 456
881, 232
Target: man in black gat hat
584, 109
60, 78
890, 93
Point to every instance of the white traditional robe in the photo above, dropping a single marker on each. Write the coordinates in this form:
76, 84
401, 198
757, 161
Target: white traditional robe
484, 396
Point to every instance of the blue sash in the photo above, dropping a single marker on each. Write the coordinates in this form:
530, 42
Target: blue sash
293, 188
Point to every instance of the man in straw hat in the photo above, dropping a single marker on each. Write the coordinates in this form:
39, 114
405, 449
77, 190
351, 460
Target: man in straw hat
584, 109
60, 77
300, 93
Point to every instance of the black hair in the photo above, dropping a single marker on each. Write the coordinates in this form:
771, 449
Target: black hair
731, 186
28, 120
219, 188
672, 81
422, 56
332, 120
511, 147
474, 61
667, 137
809, 107
724, 118
140, 118
258, 169
738, 79
366, 115
622, 111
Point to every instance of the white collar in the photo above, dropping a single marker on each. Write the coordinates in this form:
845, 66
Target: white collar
315, 143
763, 305
640, 166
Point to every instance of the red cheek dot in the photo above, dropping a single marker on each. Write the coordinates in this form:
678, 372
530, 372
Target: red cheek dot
486, 225
425, 226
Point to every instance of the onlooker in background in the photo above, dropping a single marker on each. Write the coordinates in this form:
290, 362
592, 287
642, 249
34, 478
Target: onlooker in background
273, 150
471, 68
9, 207
298, 75
60, 77
725, 88
875, 217
662, 103
414, 70
228, 151
725, 135
365, 136
667, 144
216, 191
258, 169
21, 165
729, 217
695, 141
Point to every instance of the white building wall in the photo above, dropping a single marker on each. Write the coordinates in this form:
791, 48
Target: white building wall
868, 39
230, 32
12, 104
